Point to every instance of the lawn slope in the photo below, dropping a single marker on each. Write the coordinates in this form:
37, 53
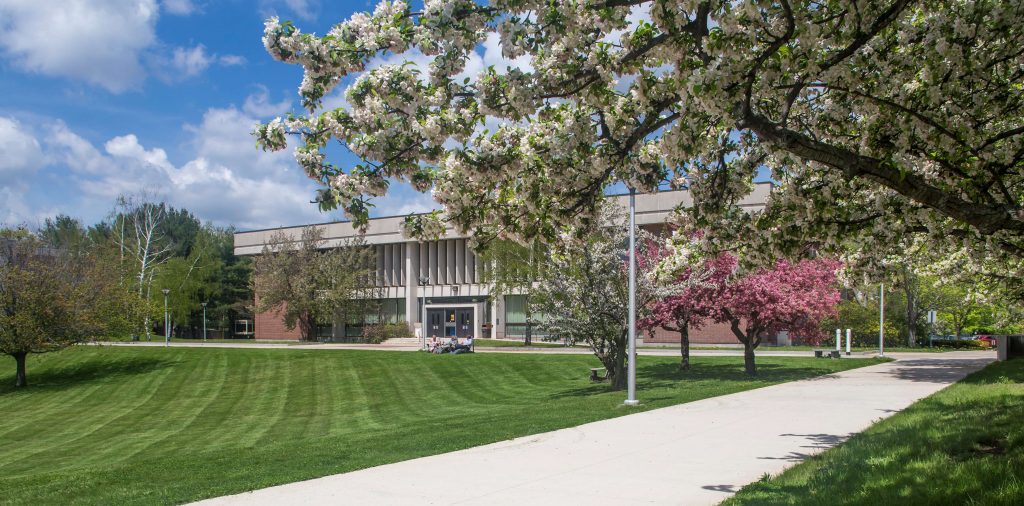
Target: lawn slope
119, 425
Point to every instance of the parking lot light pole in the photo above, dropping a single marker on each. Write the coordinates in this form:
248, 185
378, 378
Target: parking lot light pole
631, 378
424, 280
881, 320
167, 324
204, 322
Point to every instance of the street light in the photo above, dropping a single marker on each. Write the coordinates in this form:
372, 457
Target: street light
167, 324
423, 323
881, 320
631, 379
204, 322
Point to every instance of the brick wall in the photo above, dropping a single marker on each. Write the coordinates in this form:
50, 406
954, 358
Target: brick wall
714, 333
270, 325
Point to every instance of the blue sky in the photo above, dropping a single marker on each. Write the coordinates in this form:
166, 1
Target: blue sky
104, 97
100, 98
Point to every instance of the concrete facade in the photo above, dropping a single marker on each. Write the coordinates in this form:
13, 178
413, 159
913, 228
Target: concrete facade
454, 273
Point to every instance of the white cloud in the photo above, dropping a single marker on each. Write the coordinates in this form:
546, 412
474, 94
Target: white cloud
179, 7
225, 179
96, 41
259, 105
305, 9
190, 62
231, 60
19, 150
184, 63
403, 199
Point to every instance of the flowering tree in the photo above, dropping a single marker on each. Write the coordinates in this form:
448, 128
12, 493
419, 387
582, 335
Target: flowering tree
582, 295
880, 119
791, 296
694, 303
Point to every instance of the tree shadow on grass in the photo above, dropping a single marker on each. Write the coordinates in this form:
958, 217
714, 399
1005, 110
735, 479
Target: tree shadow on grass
666, 375
66, 376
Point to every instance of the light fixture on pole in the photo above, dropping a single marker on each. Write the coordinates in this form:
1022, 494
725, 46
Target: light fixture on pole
167, 324
423, 323
204, 322
631, 378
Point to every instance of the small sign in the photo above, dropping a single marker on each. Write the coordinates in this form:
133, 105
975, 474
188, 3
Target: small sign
931, 316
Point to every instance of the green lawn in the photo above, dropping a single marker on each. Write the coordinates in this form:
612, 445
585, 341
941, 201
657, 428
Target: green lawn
963, 445
121, 425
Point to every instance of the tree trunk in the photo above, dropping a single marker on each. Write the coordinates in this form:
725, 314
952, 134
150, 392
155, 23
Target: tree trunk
307, 328
20, 378
618, 379
910, 290
748, 358
684, 345
528, 341
749, 340
614, 363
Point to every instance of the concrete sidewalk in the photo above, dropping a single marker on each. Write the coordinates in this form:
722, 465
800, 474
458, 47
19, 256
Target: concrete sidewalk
693, 454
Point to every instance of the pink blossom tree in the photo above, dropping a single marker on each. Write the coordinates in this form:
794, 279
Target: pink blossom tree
791, 296
694, 304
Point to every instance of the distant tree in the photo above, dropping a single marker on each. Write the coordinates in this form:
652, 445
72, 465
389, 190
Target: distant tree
696, 301
66, 233
512, 268
582, 292
15, 233
142, 242
957, 305
233, 295
180, 229
51, 299
192, 279
310, 284
791, 296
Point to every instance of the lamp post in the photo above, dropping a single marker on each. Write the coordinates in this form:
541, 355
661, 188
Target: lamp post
167, 324
424, 280
631, 378
204, 322
881, 319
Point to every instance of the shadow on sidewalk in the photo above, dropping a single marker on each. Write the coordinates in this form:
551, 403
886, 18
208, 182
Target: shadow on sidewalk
943, 371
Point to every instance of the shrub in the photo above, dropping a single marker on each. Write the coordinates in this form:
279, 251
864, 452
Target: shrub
957, 345
380, 332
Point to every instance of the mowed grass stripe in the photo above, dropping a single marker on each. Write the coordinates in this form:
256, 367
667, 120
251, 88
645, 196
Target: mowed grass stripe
80, 441
173, 425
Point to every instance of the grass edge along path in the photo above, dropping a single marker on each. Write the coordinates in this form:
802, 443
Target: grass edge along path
962, 445
144, 425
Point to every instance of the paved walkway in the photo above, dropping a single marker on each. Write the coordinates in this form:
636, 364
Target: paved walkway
696, 453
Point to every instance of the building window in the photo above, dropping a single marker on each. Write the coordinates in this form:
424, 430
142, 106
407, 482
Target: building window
516, 322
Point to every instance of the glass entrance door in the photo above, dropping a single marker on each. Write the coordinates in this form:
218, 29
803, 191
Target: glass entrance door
450, 322
464, 322
435, 322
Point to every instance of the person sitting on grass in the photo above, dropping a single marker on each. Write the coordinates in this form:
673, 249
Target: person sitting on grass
451, 345
465, 347
433, 344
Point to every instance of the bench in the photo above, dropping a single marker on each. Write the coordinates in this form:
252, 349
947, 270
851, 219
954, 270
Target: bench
593, 374
827, 354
